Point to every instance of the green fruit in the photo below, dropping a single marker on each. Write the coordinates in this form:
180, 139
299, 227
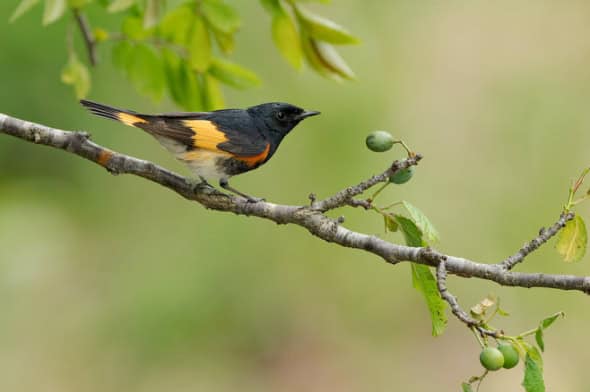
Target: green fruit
402, 176
379, 141
491, 358
510, 355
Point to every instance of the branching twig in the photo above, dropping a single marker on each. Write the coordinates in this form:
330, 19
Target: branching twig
87, 34
441, 281
544, 236
311, 218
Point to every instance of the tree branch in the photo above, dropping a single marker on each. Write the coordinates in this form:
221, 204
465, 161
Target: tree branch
311, 218
87, 34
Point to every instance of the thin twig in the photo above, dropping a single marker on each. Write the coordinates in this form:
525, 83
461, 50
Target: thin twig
343, 197
87, 34
441, 282
535, 243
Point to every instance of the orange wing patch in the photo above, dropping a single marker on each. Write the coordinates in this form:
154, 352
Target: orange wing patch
207, 135
253, 160
129, 119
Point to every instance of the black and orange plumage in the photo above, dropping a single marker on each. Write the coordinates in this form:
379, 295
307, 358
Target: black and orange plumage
217, 144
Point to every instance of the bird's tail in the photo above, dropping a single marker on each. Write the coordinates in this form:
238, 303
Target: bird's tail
127, 117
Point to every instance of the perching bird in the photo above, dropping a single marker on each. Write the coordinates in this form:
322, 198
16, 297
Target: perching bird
218, 144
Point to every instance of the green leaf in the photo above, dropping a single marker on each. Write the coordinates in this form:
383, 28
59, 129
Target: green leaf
181, 81
23, 7
286, 38
423, 223
221, 16
390, 223
324, 29
76, 74
465, 387
233, 74
271, 6
199, 46
212, 93
539, 338
122, 53
549, 320
146, 71
54, 9
424, 281
411, 232
533, 376
133, 29
77, 4
176, 25
533, 352
120, 5
225, 41
151, 15
572, 240
324, 58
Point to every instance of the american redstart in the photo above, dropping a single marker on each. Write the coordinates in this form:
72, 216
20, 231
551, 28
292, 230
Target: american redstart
218, 144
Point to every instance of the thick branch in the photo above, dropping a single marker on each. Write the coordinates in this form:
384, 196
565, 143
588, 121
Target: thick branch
310, 218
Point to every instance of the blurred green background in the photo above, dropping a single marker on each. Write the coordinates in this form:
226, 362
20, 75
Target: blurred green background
112, 283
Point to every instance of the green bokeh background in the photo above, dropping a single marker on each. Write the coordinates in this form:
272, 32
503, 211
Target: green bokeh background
113, 283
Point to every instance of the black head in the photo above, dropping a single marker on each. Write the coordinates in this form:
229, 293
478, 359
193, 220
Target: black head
279, 118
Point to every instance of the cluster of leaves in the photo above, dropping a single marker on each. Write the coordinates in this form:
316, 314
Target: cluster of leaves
530, 354
183, 52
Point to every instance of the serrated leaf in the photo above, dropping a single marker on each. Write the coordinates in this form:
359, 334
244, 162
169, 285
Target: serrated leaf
572, 240
427, 228
539, 338
390, 223
151, 15
120, 5
533, 376
233, 74
221, 16
176, 25
199, 46
286, 38
324, 29
76, 74
212, 93
23, 7
146, 71
423, 280
465, 387
54, 9
551, 319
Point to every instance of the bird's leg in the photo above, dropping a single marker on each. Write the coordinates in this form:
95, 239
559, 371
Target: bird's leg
200, 184
225, 185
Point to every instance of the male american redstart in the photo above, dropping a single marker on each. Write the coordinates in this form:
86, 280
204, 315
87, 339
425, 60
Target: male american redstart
218, 144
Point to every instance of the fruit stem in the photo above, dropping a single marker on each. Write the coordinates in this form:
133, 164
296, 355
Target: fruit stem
378, 191
405, 146
481, 343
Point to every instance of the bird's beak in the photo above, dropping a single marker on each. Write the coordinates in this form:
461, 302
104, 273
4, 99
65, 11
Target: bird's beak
307, 114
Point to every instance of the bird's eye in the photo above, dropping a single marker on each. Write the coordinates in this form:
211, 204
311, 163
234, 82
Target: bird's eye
281, 115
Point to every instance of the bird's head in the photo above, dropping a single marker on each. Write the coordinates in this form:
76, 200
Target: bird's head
279, 117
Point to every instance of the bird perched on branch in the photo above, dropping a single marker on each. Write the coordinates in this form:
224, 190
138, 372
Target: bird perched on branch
218, 144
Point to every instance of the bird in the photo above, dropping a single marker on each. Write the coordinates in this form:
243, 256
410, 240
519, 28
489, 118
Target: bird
218, 144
